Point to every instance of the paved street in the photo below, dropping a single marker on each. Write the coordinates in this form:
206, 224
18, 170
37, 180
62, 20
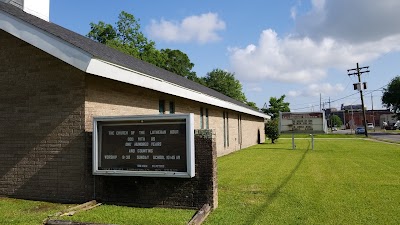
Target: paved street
386, 136
378, 134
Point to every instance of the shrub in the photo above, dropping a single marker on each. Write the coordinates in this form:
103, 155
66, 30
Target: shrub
271, 130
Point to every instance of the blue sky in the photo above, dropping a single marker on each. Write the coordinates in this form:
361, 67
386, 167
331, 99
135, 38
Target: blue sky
300, 48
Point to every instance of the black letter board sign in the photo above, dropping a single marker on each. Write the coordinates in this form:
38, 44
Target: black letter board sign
156, 146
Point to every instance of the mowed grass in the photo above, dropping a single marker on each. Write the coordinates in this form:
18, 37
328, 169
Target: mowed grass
343, 181
122, 215
24, 212
329, 135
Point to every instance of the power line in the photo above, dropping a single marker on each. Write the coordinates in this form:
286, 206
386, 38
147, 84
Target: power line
314, 104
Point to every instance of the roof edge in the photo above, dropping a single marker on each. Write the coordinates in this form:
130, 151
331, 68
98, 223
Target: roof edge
106, 69
45, 41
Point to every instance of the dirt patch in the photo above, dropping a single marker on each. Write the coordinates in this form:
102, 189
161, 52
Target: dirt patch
42, 208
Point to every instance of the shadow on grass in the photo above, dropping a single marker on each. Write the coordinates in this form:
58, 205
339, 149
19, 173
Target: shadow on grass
275, 193
263, 146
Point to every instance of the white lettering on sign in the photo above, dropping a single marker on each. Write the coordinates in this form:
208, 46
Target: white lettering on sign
110, 156
145, 151
141, 166
128, 144
174, 132
131, 150
158, 157
142, 132
153, 139
170, 157
156, 143
141, 139
133, 132
131, 139
141, 144
142, 157
122, 132
111, 132
158, 132
126, 157
158, 166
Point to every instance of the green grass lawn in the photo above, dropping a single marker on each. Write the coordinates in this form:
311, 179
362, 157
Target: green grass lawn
131, 216
341, 181
345, 181
329, 135
23, 212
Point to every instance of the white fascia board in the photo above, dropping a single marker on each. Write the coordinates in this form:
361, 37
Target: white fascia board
115, 72
45, 41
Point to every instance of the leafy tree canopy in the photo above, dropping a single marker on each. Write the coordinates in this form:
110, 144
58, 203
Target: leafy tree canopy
391, 96
275, 106
179, 63
126, 37
253, 105
225, 82
336, 121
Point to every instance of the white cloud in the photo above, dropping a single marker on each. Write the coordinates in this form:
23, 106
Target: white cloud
315, 89
253, 87
202, 29
323, 41
351, 21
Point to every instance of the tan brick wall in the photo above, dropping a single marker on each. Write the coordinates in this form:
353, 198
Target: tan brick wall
42, 141
105, 97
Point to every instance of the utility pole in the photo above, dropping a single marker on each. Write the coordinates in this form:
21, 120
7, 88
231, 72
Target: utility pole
329, 102
320, 109
373, 115
360, 87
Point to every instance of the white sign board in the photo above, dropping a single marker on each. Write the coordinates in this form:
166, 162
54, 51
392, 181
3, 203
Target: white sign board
302, 122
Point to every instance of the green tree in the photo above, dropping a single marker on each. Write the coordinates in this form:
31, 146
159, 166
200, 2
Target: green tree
336, 121
126, 37
225, 82
253, 105
276, 105
178, 63
272, 130
102, 32
391, 96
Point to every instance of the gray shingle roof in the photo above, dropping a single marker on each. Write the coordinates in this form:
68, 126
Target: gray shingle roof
103, 52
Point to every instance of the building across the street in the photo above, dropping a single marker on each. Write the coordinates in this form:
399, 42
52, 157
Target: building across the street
353, 119
54, 81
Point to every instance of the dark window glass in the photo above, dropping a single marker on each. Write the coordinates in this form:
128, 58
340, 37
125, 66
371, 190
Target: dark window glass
171, 107
161, 106
207, 127
201, 118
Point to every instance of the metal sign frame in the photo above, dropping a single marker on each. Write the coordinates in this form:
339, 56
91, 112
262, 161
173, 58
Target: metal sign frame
160, 120
304, 120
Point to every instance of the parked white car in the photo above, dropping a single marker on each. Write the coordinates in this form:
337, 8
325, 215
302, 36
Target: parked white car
370, 126
397, 125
